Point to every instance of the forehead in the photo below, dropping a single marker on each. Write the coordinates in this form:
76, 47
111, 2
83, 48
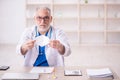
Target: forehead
42, 12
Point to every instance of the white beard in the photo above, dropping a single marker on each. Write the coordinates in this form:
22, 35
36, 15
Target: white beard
43, 29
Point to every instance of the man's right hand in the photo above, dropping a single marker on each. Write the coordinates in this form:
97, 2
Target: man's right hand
27, 46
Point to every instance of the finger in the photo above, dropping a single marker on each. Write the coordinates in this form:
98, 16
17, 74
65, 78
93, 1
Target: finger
54, 43
30, 46
33, 40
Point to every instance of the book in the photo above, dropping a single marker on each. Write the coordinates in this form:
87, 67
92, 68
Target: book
20, 76
100, 73
72, 73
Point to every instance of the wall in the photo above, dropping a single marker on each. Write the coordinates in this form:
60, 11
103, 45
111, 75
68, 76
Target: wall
12, 20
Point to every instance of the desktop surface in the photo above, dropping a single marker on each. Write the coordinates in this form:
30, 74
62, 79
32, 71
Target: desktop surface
58, 73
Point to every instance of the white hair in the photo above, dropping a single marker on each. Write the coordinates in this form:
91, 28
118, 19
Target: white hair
42, 8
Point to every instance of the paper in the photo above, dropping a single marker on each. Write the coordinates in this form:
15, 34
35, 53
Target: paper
20, 76
42, 70
42, 40
104, 72
73, 73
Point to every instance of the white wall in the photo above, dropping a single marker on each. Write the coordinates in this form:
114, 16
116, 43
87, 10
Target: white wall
12, 20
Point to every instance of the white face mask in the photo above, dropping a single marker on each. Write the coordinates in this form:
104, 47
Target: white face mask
42, 40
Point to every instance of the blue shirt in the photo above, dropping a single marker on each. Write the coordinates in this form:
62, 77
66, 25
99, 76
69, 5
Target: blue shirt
41, 59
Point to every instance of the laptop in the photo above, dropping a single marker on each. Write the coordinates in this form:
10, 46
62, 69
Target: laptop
20, 76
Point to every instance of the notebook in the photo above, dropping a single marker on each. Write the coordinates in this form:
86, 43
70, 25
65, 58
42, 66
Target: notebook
20, 76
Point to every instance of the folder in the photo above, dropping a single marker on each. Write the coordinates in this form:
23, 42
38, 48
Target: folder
101, 74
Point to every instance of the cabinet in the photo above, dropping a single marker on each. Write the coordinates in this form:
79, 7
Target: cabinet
96, 22
92, 24
113, 22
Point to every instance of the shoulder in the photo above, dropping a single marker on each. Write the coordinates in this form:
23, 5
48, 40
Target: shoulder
57, 30
29, 30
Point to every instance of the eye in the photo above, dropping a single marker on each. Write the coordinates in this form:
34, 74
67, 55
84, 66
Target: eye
42, 18
39, 17
46, 17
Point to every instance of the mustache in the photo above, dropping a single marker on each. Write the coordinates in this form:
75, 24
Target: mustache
43, 29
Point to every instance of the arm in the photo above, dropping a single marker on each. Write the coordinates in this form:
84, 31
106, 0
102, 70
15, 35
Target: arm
61, 43
27, 46
57, 45
25, 43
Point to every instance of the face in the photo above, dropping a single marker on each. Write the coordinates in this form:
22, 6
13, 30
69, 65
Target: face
43, 20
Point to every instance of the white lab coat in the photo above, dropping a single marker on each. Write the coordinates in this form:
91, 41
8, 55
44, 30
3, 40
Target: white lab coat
53, 57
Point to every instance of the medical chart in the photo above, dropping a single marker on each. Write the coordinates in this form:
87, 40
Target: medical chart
42, 70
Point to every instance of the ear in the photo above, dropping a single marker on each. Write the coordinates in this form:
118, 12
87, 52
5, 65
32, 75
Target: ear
35, 19
51, 18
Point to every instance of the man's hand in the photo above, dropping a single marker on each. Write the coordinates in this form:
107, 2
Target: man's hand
27, 46
57, 45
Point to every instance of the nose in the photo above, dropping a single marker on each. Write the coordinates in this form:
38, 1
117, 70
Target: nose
43, 21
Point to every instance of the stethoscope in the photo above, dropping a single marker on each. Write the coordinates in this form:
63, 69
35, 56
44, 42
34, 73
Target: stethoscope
49, 34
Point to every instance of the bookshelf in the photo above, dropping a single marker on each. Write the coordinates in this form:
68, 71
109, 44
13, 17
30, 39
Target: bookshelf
113, 22
93, 23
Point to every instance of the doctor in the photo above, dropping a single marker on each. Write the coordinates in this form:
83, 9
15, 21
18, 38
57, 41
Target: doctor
49, 55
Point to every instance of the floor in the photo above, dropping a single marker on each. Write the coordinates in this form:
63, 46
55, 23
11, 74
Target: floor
90, 56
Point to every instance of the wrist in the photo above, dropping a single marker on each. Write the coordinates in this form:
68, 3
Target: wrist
61, 49
23, 50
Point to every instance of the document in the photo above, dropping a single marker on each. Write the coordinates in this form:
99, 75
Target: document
42, 70
72, 73
103, 72
20, 76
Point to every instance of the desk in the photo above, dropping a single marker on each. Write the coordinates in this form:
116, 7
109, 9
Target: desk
59, 72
